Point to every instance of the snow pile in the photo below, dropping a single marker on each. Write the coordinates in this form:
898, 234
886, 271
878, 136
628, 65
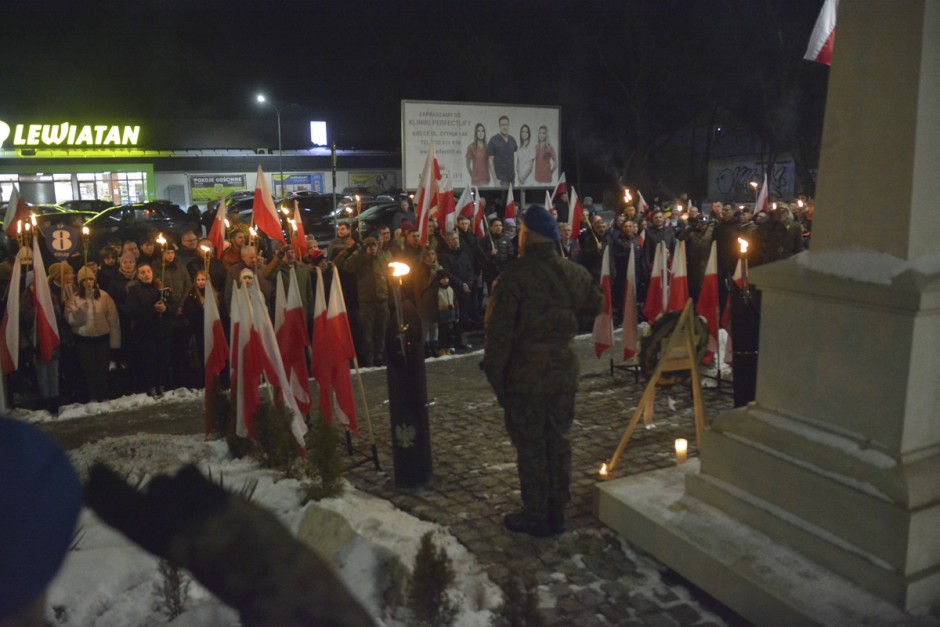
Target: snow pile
124, 403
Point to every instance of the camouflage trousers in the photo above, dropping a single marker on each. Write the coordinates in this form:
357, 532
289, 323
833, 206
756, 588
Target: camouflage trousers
373, 321
538, 429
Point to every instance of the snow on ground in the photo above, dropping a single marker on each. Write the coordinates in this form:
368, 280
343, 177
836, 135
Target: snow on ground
122, 590
131, 401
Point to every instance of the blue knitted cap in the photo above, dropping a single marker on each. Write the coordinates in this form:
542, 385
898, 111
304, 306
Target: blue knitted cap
538, 219
40, 498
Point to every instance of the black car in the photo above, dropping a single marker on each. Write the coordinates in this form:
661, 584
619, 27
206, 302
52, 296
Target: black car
138, 222
315, 210
375, 217
91, 205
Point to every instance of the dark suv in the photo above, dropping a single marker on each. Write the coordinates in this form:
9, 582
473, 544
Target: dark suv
138, 222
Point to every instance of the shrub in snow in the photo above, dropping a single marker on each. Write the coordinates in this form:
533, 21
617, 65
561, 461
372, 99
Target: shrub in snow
324, 462
171, 590
520, 607
432, 575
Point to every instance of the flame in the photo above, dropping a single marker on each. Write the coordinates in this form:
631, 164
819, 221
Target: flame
399, 269
743, 243
753, 184
160, 239
32, 218
204, 248
85, 230
603, 471
626, 196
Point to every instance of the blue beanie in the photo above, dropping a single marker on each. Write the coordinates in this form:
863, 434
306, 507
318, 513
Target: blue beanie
40, 498
539, 220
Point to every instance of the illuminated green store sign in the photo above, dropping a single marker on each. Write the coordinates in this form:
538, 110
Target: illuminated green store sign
68, 134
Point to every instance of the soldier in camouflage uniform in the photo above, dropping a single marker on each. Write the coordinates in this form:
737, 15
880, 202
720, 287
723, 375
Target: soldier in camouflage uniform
537, 306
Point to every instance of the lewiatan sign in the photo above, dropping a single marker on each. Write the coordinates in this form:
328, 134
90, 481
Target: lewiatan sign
68, 134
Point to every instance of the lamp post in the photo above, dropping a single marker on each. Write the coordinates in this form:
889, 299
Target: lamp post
280, 149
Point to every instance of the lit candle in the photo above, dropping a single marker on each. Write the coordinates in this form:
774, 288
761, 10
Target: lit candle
626, 196
205, 256
744, 277
602, 473
682, 449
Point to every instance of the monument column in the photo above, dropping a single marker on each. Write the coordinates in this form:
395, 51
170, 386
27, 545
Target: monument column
839, 455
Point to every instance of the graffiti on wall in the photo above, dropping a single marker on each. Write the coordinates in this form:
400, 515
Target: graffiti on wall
732, 182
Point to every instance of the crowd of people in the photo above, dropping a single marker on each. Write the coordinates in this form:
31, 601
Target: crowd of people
130, 319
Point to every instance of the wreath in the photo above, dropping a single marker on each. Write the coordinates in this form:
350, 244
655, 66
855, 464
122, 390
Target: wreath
653, 345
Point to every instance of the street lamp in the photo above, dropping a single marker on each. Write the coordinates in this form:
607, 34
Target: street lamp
280, 149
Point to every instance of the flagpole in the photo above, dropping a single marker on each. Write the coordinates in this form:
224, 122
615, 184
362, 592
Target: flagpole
365, 405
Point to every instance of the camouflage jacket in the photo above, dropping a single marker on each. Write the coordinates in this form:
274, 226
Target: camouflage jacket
537, 307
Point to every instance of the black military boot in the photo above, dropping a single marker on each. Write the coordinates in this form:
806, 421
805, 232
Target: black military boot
520, 522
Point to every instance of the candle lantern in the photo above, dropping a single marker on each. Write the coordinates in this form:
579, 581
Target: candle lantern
682, 450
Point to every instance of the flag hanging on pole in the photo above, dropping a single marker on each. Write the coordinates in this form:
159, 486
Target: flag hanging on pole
631, 333
642, 206
707, 305
17, 212
47, 329
300, 236
679, 285
575, 211
217, 232
560, 188
10, 327
823, 38
464, 207
477, 226
657, 292
603, 334
292, 340
216, 348
333, 349
263, 211
427, 201
510, 212
762, 202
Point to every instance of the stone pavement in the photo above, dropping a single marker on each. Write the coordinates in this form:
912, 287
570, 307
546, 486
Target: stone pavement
589, 575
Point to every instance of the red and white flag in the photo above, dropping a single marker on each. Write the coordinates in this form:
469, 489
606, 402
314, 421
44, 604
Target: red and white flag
47, 329
823, 38
561, 188
575, 211
658, 291
426, 202
446, 206
273, 365
642, 206
333, 349
478, 219
762, 203
10, 327
17, 212
510, 206
246, 365
300, 236
679, 285
707, 305
603, 334
217, 232
292, 340
265, 215
216, 348
631, 332
464, 207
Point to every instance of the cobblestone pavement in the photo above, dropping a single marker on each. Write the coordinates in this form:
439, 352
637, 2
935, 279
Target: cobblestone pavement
589, 575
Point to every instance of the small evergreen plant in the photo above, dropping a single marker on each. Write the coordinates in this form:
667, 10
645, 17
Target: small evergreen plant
432, 575
520, 607
324, 461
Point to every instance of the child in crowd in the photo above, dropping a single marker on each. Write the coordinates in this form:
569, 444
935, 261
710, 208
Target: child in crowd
446, 316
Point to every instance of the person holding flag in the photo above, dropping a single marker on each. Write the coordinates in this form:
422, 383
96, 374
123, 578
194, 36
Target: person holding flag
538, 305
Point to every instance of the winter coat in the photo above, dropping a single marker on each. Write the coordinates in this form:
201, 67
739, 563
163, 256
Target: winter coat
94, 316
371, 274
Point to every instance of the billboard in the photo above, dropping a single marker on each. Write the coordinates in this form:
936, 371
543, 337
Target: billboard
486, 145
206, 187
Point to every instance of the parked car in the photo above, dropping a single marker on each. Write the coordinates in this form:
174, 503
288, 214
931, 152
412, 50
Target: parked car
375, 217
137, 222
92, 205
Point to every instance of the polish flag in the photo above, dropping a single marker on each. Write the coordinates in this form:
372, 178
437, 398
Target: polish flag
823, 38
292, 340
477, 227
510, 206
707, 305
575, 209
234, 327
333, 348
464, 207
631, 333
603, 334
265, 215
679, 285
642, 206
658, 291
762, 204
426, 202
217, 232
738, 280
446, 208
561, 188
273, 365
17, 211
300, 236
10, 327
47, 329
216, 348
247, 398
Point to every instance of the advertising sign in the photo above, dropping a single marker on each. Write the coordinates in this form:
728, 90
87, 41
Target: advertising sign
204, 188
61, 240
485, 145
376, 182
297, 183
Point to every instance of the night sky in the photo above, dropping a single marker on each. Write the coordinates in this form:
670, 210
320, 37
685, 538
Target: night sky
626, 74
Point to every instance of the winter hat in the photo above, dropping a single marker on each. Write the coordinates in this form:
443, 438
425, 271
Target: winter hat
245, 272
41, 499
538, 220
407, 226
85, 273
55, 271
316, 255
509, 222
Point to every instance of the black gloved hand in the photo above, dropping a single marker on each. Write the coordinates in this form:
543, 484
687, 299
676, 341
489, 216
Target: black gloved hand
154, 518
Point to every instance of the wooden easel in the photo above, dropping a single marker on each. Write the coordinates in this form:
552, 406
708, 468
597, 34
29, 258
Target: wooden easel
679, 354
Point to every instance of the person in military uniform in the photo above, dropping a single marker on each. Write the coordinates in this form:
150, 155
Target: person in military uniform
538, 304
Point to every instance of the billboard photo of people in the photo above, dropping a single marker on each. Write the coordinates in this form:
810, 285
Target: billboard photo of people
483, 145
